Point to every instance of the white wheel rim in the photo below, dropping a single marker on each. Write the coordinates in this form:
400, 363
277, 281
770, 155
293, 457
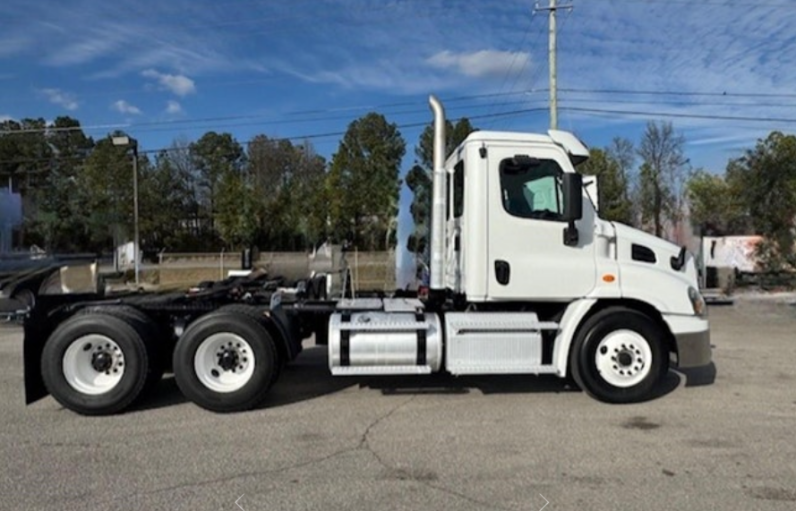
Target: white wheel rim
623, 358
93, 364
224, 362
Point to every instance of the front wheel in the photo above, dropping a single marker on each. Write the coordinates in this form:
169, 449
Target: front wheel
619, 356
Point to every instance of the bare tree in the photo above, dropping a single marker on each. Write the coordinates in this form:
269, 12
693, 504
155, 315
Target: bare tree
662, 175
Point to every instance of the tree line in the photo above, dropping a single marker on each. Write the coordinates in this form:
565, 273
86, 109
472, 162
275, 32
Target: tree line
206, 194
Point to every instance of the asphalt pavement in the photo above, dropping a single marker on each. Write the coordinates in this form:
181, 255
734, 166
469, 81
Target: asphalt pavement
721, 438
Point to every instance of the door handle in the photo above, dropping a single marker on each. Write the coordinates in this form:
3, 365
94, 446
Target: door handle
502, 272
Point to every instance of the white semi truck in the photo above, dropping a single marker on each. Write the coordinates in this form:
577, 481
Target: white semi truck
525, 279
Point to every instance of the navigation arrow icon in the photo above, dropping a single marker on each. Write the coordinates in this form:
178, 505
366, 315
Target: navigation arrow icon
237, 503
540, 509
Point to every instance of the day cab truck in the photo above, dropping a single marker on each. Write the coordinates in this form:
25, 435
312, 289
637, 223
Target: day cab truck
525, 278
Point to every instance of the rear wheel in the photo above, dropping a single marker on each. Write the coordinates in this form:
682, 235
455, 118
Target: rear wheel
155, 340
619, 356
257, 313
95, 364
225, 361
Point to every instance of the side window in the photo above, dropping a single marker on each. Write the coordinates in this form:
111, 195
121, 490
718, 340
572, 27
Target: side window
458, 190
531, 188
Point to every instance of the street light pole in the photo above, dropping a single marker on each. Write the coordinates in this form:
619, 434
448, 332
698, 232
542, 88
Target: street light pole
136, 240
133, 143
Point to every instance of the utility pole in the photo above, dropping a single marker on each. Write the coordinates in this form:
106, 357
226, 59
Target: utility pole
552, 8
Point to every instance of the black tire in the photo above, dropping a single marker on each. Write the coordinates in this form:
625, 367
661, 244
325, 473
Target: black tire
604, 387
155, 340
128, 388
263, 351
256, 313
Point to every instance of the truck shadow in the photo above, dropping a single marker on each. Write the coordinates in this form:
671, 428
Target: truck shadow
698, 376
308, 377
164, 394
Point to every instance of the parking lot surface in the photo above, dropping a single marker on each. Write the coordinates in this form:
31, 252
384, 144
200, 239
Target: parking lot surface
723, 438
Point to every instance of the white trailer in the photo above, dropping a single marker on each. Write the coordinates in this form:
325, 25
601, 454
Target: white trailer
525, 279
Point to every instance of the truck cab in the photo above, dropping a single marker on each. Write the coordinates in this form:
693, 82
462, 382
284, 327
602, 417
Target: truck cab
505, 227
522, 234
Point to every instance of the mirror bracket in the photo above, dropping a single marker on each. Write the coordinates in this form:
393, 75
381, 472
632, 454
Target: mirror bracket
571, 234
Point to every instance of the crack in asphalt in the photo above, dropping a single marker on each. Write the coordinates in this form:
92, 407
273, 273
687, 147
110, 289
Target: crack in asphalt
362, 444
365, 442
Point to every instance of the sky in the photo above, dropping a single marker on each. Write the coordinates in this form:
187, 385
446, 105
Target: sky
722, 71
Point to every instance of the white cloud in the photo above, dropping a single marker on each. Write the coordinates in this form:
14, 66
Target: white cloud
173, 107
180, 85
124, 107
4, 118
61, 98
481, 64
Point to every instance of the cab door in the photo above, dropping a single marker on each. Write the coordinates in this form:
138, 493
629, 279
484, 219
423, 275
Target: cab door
527, 255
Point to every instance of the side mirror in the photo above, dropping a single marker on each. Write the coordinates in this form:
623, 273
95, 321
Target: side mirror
572, 187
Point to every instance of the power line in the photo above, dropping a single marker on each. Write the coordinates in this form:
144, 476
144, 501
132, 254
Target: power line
296, 121
298, 138
467, 101
719, 3
267, 119
539, 70
506, 76
679, 102
680, 115
682, 93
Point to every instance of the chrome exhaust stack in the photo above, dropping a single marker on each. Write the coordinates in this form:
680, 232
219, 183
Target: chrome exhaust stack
439, 205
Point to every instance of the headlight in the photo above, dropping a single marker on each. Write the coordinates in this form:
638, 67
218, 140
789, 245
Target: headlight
697, 302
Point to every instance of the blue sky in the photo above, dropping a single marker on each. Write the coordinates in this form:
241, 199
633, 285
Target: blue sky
167, 70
